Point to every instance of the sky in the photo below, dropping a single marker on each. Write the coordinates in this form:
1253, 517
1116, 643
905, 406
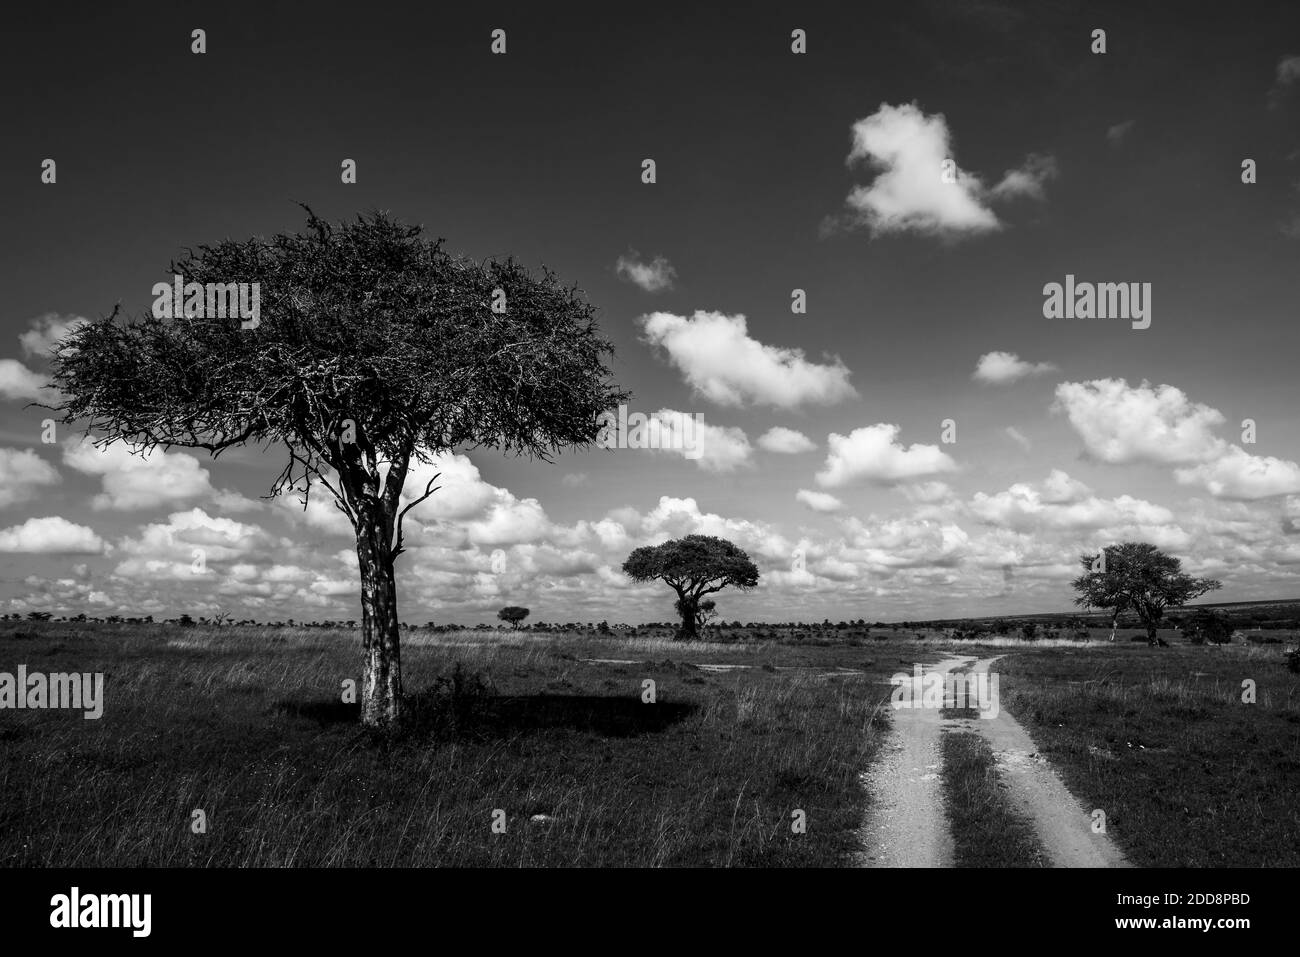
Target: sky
925, 438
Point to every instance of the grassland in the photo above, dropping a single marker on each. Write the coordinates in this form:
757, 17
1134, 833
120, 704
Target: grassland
1160, 739
248, 725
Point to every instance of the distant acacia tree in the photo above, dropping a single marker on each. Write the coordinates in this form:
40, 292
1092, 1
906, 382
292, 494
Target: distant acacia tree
1207, 624
1140, 578
694, 566
513, 614
374, 349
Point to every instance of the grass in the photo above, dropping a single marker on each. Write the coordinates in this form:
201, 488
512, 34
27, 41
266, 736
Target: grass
247, 724
1160, 739
986, 831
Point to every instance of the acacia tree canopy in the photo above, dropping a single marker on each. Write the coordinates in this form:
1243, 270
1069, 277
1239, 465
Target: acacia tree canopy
1137, 577
694, 566
513, 614
374, 348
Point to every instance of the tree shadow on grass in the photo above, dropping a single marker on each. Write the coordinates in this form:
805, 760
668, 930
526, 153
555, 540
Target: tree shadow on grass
438, 715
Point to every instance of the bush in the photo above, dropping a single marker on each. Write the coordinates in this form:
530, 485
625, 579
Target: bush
1293, 661
1209, 625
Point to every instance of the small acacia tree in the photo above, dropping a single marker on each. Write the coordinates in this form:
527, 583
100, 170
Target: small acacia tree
374, 349
694, 566
513, 614
1140, 578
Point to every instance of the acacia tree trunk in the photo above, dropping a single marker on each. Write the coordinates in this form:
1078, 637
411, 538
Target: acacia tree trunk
686, 607
381, 682
1114, 624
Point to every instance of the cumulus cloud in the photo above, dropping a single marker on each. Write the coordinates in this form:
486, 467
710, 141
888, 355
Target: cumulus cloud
1288, 72
1061, 502
50, 536
914, 191
23, 384
1002, 368
873, 454
19, 383
714, 448
1115, 135
785, 441
133, 481
724, 364
1028, 180
1237, 474
819, 501
23, 474
167, 549
654, 276
927, 493
1120, 423
47, 331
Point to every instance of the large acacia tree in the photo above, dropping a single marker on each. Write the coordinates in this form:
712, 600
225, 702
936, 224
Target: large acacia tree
375, 349
694, 566
1137, 577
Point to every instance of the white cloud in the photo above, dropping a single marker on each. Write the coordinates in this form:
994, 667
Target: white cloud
46, 331
785, 441
1237, 474
1061, 502
872, 454
1019, 437
51, 536
819, 501
1001, 368
1120, 423
1288, 70
1115, 135
1059, 488
22, 474
1029, 180
19, 383
911, 192
721, 362
927, 493
167, 549
654, 276
132, 481
714, 448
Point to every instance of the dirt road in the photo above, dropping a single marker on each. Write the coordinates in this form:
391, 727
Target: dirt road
906, 826
1063, 825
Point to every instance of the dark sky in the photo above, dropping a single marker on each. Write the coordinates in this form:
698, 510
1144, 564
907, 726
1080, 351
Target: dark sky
538, 154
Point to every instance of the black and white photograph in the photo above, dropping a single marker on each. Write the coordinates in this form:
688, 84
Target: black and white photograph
439, 439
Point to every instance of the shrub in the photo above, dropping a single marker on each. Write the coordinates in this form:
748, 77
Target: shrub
1209, 625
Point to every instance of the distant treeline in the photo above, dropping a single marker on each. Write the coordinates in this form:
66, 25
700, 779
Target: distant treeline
1245, 616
